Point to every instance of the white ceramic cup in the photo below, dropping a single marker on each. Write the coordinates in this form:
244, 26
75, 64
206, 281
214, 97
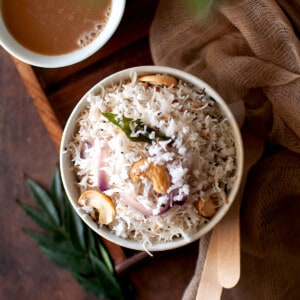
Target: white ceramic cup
69, 178
8, 42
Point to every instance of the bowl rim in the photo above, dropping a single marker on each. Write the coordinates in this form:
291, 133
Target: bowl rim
66, 168
17, 50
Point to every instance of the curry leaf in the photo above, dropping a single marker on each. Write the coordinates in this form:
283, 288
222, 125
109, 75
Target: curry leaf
57, 194
38, 216
44, 201
135, 130
92, 284
70, 244
62, 253
71, 261
105, 257
76, 228
91, 243
108, 279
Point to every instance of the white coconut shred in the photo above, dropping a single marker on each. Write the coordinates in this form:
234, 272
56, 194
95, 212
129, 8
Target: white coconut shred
187, 136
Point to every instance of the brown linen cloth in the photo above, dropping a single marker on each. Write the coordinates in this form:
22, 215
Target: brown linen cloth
250, 51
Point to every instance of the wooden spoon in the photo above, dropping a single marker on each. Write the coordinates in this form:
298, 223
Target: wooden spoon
209, 287
228, 230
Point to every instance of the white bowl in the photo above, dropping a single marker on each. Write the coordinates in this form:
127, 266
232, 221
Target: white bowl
54, 61
69, 179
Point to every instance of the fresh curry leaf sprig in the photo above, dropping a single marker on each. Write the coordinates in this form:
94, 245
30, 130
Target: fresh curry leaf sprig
130, 126
69, 243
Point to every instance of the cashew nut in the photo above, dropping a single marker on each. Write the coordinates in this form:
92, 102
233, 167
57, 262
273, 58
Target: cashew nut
101, 203
159, 79
206, 208
157, 173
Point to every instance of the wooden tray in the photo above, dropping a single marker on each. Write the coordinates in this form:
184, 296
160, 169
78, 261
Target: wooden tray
55, 92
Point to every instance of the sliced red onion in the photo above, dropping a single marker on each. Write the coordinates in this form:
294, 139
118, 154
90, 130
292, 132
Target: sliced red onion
85, 149
190, 161
164, 208
133, 203
102, 176
173, 194
103, 154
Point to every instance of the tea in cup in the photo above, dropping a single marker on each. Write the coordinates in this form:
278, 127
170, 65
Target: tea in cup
57, 33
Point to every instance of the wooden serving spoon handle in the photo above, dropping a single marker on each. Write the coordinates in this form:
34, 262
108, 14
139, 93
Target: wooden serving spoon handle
209, 287
229, 256
228, 230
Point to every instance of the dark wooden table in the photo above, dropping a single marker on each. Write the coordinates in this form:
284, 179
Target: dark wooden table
30, 130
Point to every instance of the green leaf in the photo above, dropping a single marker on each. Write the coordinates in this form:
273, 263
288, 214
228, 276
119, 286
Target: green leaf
76, 228
91, 244
73, 263
107, 278
69, 243
57, 193
92, 286
38, 216
43, 239
106, 257
63, 253
44, 201
130, 126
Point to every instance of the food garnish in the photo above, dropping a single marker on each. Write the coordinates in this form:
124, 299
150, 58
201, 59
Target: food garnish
106, 211
206, 208
159, 79
130, 126
157, 173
